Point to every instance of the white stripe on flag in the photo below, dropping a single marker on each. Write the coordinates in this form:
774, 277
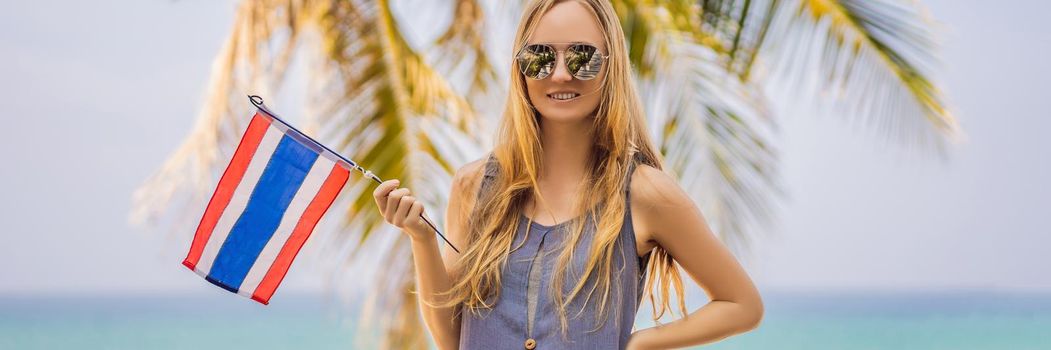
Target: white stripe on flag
307, 191
239, 200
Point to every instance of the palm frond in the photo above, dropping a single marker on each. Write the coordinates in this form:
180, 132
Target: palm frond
247, 62
392, 112
377, 97
708, 121
461, 51
874, 59
739, 28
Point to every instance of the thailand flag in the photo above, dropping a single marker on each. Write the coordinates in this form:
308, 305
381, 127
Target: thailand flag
277, 186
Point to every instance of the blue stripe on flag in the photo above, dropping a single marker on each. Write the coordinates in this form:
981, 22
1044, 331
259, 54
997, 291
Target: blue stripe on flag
281, 178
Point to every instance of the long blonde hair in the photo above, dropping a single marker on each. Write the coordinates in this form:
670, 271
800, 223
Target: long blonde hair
620, 138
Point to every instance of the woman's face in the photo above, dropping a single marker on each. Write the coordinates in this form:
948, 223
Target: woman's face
563, 23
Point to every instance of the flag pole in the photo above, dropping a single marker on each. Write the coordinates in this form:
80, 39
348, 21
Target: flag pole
258, 103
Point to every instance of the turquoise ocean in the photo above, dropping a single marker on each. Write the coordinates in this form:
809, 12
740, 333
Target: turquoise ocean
893, 320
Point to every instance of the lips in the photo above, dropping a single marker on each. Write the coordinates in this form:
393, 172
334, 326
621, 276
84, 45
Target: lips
563, 95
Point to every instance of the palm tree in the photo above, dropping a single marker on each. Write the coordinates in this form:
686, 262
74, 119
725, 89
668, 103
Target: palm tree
414, 111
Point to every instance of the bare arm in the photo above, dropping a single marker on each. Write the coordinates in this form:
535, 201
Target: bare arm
433, 270
673, 222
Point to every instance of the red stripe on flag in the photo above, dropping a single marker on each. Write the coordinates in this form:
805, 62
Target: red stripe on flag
227, 184
317, 208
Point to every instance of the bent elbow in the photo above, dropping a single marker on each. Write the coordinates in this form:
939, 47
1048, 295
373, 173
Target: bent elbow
754, 313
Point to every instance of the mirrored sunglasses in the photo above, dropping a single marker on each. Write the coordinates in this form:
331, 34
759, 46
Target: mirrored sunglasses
537, 61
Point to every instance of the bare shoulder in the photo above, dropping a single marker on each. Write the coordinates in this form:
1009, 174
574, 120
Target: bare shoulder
466, 181
653, 188
654, 194
468, 177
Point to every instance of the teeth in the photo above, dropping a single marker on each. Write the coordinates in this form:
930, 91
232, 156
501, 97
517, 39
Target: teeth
563, 96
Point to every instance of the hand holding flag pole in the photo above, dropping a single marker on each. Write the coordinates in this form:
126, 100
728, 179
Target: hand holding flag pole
258, 102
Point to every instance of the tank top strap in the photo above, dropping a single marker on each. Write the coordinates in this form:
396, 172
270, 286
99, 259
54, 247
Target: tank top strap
632, 164
627, 182
490, 165
488, 175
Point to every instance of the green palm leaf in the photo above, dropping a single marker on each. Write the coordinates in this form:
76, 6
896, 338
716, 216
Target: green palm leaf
713, 127
388, 109
874, 57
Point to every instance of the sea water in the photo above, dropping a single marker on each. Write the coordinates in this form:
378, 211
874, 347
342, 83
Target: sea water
798, 320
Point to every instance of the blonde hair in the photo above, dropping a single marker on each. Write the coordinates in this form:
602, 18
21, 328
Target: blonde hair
620, 137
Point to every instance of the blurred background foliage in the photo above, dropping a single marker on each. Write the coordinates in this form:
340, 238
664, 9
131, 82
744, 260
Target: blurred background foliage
416, 111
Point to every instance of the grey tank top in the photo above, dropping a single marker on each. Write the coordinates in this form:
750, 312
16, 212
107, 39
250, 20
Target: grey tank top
525, 317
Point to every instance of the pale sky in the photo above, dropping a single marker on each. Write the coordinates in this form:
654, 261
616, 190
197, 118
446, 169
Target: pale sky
95, 95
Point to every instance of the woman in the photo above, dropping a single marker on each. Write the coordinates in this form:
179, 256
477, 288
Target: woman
558, 206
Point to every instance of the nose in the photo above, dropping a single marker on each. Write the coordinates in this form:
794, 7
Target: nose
561, 73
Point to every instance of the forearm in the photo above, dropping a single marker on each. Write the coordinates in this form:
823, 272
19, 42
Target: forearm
714, 321
431, 277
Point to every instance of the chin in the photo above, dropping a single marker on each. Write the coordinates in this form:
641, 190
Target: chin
560, 115
567, 112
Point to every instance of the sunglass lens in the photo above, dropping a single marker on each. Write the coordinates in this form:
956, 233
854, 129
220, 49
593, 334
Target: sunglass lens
583, 61
537, 61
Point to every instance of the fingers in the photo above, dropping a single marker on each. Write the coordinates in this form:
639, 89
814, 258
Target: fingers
381, 191
402, 213
414, 212
393, 199
397, 205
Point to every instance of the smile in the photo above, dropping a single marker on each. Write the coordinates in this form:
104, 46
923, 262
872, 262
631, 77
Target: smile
563, 97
